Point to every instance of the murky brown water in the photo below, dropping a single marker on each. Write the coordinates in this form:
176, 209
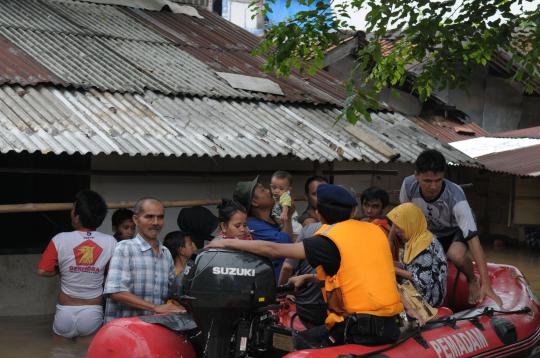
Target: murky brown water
527, 261
31, 337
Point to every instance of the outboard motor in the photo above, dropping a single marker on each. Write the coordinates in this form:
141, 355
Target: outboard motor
226, 292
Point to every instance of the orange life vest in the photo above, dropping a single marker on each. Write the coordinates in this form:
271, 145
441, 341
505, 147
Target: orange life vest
365, 281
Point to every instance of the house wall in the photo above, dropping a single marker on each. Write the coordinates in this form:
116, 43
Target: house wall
494, 103
530, 116
240, 13
491, 199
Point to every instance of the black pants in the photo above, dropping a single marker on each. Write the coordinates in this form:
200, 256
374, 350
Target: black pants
311, 314
358, 329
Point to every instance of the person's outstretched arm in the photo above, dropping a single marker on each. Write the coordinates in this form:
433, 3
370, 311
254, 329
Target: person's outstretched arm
262, 248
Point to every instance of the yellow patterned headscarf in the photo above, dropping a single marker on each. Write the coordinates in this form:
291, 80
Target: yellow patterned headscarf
411, 220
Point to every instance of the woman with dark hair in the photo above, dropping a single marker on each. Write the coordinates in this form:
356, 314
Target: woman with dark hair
232, 218
181, 248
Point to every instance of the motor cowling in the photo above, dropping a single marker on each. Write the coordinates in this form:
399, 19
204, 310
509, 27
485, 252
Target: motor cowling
222, 287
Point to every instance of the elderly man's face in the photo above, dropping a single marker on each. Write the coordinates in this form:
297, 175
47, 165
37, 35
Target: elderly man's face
150, 220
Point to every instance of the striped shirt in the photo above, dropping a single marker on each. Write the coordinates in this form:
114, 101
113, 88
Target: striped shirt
135, 268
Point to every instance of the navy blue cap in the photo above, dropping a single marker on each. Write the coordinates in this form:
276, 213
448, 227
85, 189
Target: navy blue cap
336, 195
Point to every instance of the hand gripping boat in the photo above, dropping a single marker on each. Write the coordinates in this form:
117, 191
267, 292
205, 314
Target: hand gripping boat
233, 313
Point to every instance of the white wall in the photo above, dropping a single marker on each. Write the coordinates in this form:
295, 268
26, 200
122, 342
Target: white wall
240, 13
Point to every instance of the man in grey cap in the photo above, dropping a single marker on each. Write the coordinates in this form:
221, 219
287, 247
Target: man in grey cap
258, 201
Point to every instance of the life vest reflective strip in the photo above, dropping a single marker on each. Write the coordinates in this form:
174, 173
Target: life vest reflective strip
365, 281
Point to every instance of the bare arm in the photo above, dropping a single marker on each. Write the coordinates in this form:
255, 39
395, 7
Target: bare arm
478, 255
131, 300
262, 248
403, 273
287, 271
44, 273
287, 224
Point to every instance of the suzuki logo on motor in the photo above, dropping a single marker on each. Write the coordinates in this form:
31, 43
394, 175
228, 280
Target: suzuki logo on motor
233, 271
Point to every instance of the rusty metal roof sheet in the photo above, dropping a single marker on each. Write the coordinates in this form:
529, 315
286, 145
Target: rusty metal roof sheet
447, 130
115, 48
522, 162
224, 46
532, 132
111, 64
18, 68
59, 120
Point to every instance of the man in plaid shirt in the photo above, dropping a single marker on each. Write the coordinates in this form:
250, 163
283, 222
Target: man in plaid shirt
141, 270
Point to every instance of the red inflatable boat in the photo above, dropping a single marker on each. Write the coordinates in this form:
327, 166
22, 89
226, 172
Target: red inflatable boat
481, 331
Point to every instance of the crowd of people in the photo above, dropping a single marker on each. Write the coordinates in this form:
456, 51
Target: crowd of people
347, 264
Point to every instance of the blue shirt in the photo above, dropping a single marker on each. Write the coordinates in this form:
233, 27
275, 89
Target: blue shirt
135, 268
263, 230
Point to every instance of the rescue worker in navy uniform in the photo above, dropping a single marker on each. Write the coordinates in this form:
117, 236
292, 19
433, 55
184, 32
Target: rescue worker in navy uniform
354, 267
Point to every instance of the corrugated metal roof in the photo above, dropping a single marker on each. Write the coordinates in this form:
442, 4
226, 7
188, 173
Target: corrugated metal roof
532, 132
107, 20
409, 140
450, 131
111, 64
114, 48
488, 145
18, 68
224, 46
47, 119
523, 162
34, 15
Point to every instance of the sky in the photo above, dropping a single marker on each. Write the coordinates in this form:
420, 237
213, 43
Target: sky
358, 18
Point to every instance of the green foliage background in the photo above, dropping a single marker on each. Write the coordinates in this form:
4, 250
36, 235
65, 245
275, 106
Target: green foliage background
444, 41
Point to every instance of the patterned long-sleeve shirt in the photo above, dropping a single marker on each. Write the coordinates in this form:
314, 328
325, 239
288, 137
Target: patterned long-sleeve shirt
429, 273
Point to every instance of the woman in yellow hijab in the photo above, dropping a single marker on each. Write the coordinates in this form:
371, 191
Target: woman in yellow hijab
423, 260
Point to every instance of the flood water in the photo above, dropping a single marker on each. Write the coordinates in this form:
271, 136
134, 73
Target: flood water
31, 337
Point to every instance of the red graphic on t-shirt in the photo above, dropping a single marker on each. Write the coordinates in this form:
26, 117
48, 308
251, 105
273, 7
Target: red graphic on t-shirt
87, 253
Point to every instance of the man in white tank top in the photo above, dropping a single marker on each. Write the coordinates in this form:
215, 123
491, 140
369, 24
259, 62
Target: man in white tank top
81, 258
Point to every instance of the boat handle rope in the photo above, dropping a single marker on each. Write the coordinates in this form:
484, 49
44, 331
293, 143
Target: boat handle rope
450, 321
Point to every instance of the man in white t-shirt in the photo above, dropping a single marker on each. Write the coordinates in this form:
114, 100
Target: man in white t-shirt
450, 218
81, 258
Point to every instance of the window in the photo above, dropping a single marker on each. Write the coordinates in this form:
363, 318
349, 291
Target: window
38, 178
